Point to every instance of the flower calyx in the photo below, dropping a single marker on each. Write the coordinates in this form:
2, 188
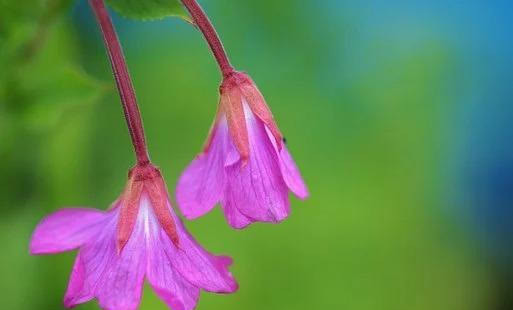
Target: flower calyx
239, 92
144, 179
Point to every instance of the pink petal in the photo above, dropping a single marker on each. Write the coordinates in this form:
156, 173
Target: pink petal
171, 286
288, 169
99, 271
66, 230
291, 174
74, 293
258, 190
233, 216
201, 185
196, 265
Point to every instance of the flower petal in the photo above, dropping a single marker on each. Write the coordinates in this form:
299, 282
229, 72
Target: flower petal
65, 230
201, 185
291, 174
258, 190
195, 264
289, 170
116, 280
233, 216
75, 293
171, 286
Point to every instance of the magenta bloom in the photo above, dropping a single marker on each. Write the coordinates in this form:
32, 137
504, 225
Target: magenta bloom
139, 237
245, 165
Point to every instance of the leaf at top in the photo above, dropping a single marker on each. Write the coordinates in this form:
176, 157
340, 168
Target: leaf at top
149, 9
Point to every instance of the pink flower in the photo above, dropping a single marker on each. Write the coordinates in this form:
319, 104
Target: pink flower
245, 164
139, 237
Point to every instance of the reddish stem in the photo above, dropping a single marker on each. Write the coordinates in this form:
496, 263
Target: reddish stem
123, 81
201, 20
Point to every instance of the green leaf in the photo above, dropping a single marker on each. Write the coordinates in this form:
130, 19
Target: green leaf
149, 9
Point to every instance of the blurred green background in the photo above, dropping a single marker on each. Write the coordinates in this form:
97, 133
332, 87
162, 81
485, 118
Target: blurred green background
398, 114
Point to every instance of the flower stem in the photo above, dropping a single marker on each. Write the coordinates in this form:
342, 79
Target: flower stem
205, 26
123, 81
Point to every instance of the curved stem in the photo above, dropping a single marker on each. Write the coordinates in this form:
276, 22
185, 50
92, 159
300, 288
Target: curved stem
205, 26
123, 81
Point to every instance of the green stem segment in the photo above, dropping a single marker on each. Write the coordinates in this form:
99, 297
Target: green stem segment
123, 81
205, 26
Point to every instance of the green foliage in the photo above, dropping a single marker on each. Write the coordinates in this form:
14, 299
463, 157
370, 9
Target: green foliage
149, 9
43, 90
41, 77
42, 83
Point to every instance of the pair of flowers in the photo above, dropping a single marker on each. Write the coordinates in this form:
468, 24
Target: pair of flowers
245, 166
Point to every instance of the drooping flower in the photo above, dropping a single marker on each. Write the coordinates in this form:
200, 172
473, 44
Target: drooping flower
245, 164
138, 237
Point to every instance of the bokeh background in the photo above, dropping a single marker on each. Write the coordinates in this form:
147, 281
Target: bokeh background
399, 114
